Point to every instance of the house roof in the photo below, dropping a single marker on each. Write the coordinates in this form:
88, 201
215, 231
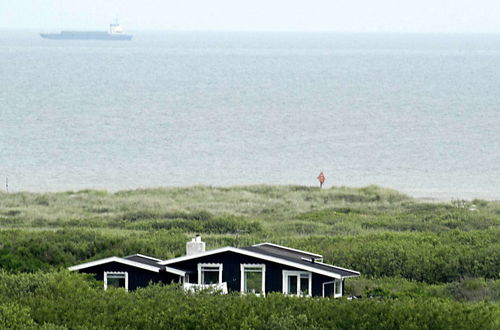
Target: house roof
286, 251
144, 259
305, 262
257, 252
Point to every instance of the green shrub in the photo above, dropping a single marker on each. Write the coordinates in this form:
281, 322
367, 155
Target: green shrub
475, 289
159, 307
13, 316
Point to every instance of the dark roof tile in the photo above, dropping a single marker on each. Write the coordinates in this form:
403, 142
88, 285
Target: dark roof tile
287, 252
144, 260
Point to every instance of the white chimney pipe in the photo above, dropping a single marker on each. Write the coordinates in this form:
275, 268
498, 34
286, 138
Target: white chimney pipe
195, 246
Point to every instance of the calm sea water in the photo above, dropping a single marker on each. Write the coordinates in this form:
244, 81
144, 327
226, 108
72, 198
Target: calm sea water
418, 113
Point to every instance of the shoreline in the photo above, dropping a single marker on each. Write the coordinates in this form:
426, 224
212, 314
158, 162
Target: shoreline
422, 195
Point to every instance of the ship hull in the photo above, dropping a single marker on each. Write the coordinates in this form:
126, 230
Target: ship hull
85, 36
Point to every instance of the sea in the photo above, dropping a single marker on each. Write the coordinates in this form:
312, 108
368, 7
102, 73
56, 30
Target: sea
419, 113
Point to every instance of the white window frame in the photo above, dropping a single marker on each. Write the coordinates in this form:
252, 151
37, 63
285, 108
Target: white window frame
299, 274
242, 277
115, 273
200, 267
335, 282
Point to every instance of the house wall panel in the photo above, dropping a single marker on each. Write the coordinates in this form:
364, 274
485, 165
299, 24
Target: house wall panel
231, 271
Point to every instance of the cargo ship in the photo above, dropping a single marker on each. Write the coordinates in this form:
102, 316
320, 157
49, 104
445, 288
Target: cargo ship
115, 33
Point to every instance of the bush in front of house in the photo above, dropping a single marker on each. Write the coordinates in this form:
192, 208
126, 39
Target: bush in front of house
75, 301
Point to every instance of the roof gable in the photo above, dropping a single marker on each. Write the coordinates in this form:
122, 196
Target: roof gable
119, 260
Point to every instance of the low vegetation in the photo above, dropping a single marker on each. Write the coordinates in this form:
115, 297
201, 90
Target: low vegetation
424, 264
43, 300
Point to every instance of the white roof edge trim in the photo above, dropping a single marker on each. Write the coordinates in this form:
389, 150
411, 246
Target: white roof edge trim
143, 256
115, 259
206, 253
288, 248
175, 271
348, 270
256, 255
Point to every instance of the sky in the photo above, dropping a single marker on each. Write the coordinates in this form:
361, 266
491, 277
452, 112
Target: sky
256, 15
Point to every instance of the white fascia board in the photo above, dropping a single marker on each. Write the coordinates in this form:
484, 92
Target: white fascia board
288, 248
255, 255
115, 259
348, 270
175, 271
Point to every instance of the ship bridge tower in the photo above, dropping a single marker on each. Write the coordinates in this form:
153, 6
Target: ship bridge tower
115, 28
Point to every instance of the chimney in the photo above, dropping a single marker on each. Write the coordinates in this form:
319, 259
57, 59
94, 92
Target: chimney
195, 246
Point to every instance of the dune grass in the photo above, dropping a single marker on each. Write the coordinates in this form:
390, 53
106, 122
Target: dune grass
291, 210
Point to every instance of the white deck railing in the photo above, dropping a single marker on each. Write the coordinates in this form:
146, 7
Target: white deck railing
220, 287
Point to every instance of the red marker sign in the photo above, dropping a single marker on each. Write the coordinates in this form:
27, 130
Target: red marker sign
321, 179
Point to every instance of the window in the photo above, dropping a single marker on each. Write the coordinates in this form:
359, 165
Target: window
338, 288
333, 288
209, 273
116, 279
304, 285
253, 278
297, 283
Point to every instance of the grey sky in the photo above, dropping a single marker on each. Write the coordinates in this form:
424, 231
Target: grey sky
257, 15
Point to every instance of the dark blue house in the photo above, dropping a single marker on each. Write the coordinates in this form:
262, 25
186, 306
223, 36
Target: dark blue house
257, 269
